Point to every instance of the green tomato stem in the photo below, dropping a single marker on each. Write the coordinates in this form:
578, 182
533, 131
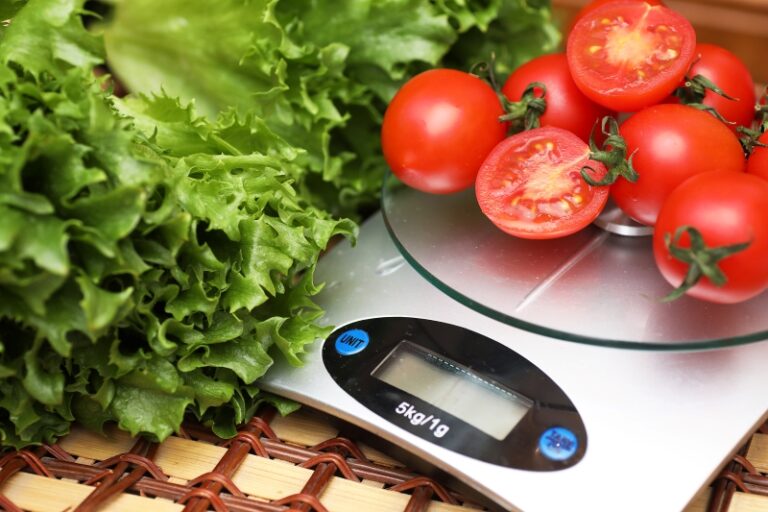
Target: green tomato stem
613, 155
702, 261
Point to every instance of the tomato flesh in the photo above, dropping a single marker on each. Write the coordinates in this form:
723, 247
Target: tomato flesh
531, 186
628, 55
594, 4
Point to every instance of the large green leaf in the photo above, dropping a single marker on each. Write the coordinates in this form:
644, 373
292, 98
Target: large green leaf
317, 71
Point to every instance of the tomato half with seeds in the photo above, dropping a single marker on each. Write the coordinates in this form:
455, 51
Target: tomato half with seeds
626, 55
530, 186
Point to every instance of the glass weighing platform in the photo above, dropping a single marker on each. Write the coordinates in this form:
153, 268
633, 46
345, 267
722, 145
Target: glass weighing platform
596, 286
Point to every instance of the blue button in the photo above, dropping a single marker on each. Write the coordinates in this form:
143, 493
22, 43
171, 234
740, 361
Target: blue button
352, 342
558, 443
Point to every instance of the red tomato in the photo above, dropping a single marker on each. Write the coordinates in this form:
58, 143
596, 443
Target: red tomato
758, 161
597, 3
627, 55
729, 73
530, 185
567, 107
670, 144
439, 128
727, 209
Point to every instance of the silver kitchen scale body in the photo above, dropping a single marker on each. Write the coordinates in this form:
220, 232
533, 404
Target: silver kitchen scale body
545, 375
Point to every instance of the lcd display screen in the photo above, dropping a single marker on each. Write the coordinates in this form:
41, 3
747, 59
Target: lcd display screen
454, 388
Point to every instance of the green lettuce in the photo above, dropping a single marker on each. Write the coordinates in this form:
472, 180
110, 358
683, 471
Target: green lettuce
319, 72
157, 251
153, 262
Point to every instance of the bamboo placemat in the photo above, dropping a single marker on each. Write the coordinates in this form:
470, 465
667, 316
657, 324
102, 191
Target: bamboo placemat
302, 462
742, 486
298, 463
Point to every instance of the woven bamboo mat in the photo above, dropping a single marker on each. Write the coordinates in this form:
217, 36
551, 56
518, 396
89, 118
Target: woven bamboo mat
742, 486
302, 462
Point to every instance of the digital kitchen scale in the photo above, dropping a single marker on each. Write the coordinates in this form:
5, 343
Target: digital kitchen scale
546, 375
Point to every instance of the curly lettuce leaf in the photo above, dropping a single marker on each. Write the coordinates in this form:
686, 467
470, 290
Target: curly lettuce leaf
522, 30
318, 72
153, 261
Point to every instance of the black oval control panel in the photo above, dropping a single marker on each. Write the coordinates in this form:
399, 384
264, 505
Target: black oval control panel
457, 389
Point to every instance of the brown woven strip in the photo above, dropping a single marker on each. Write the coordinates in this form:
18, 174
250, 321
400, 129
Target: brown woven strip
343, 446
7, 506
334, 459
252, 440
116, 478
16, 461
74, 471
176, 492
125, 459
423, 481
420, 499
223, 480
744, 463
309, 498
735, 478
306, 499
755, 481
58, 452
235, 455
206, 497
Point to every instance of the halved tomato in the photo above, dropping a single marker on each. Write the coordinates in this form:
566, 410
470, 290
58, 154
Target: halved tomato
626, 55
594, 4
530, 186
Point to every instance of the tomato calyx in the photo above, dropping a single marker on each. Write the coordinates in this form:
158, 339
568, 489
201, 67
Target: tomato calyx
701, 260
613, 155
694, 89
749, 139
525, 114
522, 115
748, 136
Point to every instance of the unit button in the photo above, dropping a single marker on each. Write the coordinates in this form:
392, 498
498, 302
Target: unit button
352, 342
558, 444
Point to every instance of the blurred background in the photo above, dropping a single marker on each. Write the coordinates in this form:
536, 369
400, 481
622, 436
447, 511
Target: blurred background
738, 25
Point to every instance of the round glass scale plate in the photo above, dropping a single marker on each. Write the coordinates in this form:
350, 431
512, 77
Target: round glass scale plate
599, 286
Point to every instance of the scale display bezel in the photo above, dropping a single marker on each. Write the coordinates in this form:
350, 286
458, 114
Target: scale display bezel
550, 408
